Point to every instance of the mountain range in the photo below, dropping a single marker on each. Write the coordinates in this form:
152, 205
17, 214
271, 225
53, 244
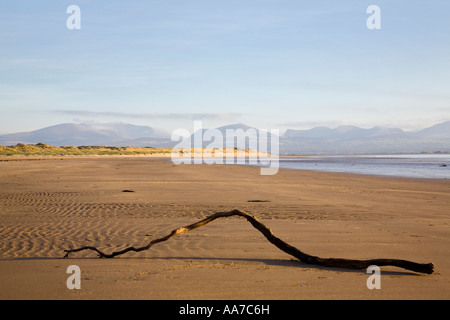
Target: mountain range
106, 134
318, 140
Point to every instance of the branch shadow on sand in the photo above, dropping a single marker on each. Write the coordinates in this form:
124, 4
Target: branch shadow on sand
287, 263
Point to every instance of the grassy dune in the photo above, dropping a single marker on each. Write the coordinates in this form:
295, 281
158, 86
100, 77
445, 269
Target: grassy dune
42, 149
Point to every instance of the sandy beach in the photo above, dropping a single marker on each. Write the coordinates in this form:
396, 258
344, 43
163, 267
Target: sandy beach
53, 204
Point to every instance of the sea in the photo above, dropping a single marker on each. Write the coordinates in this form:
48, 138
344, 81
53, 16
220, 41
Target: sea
424, 166
428, 166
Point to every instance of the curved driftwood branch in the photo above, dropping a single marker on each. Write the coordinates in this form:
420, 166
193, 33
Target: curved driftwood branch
280, 244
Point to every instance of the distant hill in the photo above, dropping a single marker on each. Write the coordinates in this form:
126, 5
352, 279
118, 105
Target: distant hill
71, 134
240, 136
441, 130
355, 140
319, 140
128, 131
342, 132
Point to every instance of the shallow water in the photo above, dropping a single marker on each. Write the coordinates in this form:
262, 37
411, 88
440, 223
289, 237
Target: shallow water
435, 166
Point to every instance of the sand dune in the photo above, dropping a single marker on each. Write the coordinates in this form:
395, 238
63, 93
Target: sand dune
58, 203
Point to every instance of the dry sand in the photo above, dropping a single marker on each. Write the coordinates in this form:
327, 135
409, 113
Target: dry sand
50, 205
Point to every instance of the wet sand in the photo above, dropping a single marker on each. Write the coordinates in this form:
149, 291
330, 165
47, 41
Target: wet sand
53, 204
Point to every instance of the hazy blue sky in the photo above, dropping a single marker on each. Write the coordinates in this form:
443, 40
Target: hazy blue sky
267, 63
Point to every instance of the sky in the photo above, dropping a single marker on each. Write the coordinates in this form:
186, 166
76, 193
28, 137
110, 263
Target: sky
271, 64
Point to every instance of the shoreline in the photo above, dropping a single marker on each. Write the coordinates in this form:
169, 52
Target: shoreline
167, 156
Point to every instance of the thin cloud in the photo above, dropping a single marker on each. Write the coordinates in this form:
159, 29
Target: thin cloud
170, 116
